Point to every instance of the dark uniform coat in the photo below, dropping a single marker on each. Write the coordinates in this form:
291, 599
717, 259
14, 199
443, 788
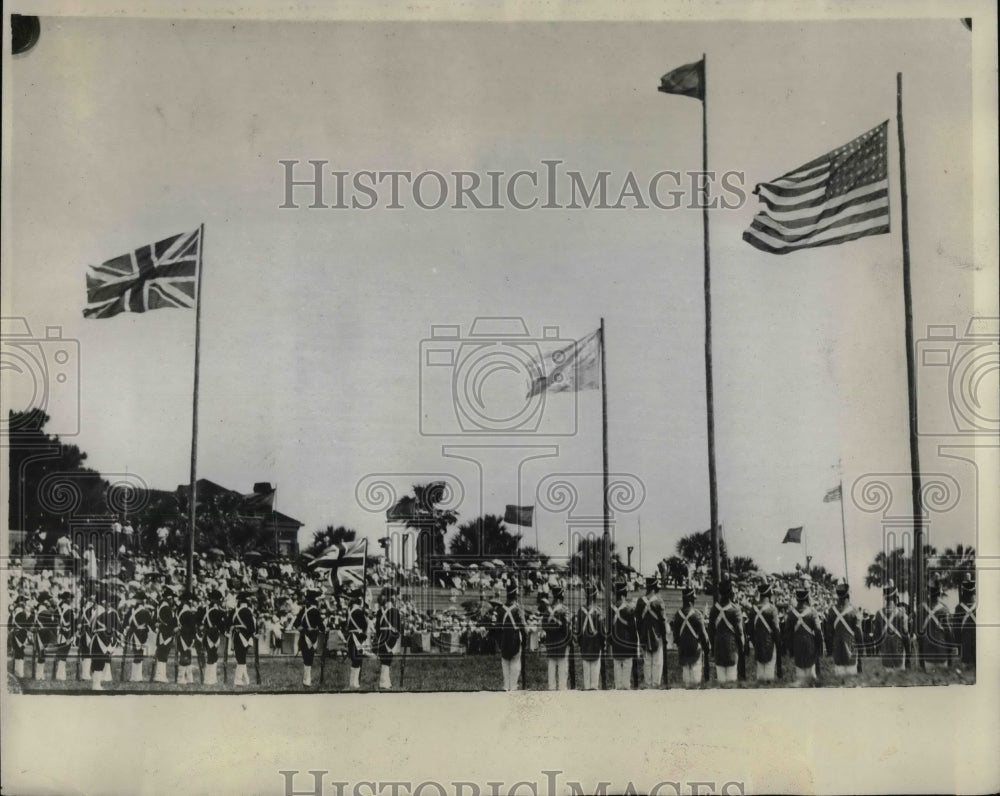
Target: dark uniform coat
725, 627
803, 635
355, 630
651, 622
933, 625
891, 630
509, 621
690, 635
842, 633
388, 626
309, 623
590, 632
963, 632
622, 630
765, 632
556, 626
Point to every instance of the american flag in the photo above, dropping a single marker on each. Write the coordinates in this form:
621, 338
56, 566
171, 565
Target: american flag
163, 274
841, 196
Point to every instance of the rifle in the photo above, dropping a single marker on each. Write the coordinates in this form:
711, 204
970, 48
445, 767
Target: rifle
524, 669
402, 668
741, 662
256, 657
604, 666
322, 660
225, 656
706, 669
128, 637
156, 649
665, 678
200, 644
572, 665
635, 671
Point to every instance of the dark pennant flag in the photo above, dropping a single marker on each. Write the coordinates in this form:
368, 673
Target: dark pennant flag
793, 535
688, 80
519, 515
163, 274
841, 196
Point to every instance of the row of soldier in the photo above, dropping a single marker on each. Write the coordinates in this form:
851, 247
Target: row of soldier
107, 620
631, 631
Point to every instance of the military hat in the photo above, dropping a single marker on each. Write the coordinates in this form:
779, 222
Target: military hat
139, 594
621, 588
889, 591
312, 593
388, 591
802, 592
967, 589
214, 595
590, 589
764, 590
512, 589
843, 589
66, 595
726, 588
687, 593
168, 591
245, 595
44, 597
934, 589
652, 583
187, 595
557, 592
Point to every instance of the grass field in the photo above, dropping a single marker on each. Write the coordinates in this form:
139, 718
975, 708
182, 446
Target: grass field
427, 672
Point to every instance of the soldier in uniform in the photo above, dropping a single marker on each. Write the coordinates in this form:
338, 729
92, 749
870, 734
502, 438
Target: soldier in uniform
891, 630
556, 626
765, 634
509, 621
803, 636
842, 631
20, 627
213, 626
188, 623
43, 627
65, 633
355, 630
690, 637
934, 638
106, 625
166, 630
244, 628
963, 623
725, 627
86, 637
309, 623
590, 635
140, 622
652, 626
387, 634
623, 636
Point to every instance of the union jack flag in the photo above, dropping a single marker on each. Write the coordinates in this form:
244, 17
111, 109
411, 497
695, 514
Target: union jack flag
163, 274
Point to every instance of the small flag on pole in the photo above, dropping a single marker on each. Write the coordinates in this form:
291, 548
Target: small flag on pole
688, 80
841, 196
833, 495
519, 515
155, 276
793, 535
570, 369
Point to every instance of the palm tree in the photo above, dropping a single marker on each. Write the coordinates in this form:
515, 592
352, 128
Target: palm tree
486, 537
328, 537
954, 564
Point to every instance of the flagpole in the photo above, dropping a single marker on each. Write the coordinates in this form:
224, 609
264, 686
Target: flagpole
604, 447
713, 496
843, 529
915, 487
193, 503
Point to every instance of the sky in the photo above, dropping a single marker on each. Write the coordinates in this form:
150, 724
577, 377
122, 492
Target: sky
315, 321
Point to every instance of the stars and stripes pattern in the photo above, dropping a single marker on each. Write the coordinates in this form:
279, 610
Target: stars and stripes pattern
833, 495
841, 196
155, 276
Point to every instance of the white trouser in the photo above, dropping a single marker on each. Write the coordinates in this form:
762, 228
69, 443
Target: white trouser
60, 670
726, 674
85, 668
355, 679
766, 671
691, 674
96, 678
623, 673
240, 677
160, 673
845, 671
591, 674
652, 668
511, 673
803, 675
39, 671
307, 675
136, 675
211, 674
559, 672
384, 679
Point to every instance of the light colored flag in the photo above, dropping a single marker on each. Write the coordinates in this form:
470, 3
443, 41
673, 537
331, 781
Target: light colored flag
570, 369
841, 196
156, 276
833, 495
346, 561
